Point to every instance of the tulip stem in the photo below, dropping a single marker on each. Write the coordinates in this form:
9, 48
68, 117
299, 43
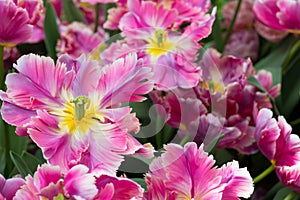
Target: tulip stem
97, 10
229, 30
1, 67
263, 174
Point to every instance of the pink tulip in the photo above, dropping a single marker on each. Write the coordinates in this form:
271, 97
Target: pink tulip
282, 14
189, 173
14, 25
75, 121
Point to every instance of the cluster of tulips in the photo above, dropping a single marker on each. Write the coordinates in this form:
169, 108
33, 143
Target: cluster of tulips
153, 100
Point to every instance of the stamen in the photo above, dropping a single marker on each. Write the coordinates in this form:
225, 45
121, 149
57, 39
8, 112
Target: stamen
160, 36
79, 102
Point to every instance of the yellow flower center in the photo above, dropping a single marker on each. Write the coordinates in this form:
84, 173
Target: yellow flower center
159, 44
213, 86
78, 115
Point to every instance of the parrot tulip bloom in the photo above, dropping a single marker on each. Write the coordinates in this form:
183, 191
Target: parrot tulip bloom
282, 148
189, 173
289, 176
78, 38
282, 14
171, 55
275, 140
49, 182
72, 110
14, 25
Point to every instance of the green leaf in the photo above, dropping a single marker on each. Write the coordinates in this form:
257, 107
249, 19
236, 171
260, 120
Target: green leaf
282, 193
213, 143
222, 156
273, 62
17, 143
20, 164
71, 12
2, 160
51, 31
217, 33
39, 155
270, 194
141, 182
291, 87
32, 161
2, 134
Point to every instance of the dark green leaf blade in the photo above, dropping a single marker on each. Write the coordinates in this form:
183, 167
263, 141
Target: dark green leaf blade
274, 61
141, 182
290, 90
17, 143
282, 193
71, 12
20, 164
51, 31
31, 161
2, 160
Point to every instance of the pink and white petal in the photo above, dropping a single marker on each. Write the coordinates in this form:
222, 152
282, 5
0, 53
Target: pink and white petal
190, 11
267, 133
123, 188
152, 14
175, 163
106, 192
238, 181
289, 15
79, 183
47, 174
14, 27
114, 17
131, 28
127, 189
42, 72
202, 172
16, 115
104, 151
269, 33
28, 191
27, 94
123, 119
87, 74
54, 143
156, 187
289, 176
124, 81
201, 29
11, 186
266, 11
170, 74
134, 147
